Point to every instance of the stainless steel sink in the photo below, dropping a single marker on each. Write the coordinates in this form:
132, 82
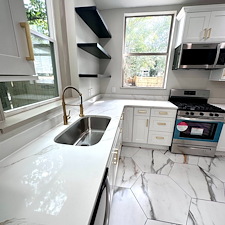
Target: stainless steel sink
86, 131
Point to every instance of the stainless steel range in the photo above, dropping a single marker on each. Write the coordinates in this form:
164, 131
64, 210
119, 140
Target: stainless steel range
198, 124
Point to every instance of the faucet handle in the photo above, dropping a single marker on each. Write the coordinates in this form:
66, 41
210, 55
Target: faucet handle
68, 116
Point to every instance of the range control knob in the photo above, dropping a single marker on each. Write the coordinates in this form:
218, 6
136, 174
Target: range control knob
192, 113
201, 114
187, 113
216, 114
211, 114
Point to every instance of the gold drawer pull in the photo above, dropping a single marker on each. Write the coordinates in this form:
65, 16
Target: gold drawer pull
142, 111
159, 138
161, 124
209, 33
25, 25
116, 156
163, 113
147, 123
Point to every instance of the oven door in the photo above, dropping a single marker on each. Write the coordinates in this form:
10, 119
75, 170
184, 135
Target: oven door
192, 129
196, 136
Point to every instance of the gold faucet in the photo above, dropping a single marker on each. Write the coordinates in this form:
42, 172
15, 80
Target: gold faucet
65, 116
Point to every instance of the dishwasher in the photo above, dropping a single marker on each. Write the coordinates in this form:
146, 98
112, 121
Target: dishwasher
101, 211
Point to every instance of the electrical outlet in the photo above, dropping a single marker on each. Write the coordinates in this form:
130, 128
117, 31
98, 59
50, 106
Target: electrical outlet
113, 89
89, 92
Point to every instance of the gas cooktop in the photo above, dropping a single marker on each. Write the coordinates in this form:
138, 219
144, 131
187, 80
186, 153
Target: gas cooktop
203, 107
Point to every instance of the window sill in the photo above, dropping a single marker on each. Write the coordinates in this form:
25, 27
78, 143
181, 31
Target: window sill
13, 122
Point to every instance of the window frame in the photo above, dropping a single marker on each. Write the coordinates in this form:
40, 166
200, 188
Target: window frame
168, 53
50, 38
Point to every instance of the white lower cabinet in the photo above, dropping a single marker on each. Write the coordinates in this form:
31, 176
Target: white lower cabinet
160, 138
114, 159
128, 124
147, 125
140, 129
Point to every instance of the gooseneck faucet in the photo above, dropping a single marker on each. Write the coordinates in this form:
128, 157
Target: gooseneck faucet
65, 116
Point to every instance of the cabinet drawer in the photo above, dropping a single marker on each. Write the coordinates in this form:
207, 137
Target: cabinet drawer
142, 111
160, 138
162, 124
163, 112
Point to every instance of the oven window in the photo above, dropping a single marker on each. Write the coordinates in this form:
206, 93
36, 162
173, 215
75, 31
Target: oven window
199, 130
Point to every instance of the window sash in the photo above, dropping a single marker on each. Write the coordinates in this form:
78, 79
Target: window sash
167, 54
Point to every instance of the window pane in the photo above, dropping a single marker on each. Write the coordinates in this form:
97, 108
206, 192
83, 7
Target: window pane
21, 93
144, 71
36, 11
147, 34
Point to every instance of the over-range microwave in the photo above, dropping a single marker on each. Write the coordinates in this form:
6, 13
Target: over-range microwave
199, 56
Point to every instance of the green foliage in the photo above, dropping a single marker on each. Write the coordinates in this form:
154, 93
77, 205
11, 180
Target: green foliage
37, 15
146, 34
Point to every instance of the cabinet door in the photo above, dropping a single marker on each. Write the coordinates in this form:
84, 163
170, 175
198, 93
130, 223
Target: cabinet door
128, 124
140, 129
196, 27
216, 32
13, 45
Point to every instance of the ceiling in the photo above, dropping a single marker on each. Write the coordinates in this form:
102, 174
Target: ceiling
112, 4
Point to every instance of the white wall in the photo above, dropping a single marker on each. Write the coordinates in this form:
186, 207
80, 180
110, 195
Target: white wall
197, 79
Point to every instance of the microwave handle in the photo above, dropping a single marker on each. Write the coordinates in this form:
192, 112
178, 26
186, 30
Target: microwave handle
217, 54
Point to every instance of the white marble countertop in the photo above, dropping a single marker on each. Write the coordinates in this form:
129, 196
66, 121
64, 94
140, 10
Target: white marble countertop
46, 183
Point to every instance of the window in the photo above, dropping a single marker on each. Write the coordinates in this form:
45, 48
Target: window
146, 50
21, 93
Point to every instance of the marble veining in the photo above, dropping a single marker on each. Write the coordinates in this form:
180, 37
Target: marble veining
20, 221
201, 185
42, 152
154, 222
128, 172
214, 166
161, 198
191, 193
153, 161
184, 159
126, 209
206, 213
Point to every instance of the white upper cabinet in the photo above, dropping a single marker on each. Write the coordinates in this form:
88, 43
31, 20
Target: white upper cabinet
14, 49
199, 24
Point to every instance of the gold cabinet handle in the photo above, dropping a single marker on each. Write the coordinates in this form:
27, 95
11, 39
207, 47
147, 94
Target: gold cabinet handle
160, 138
142, 111
121, 118
115, 156
25, 25
147, 123
161, 124
163, 113
205, 33
209, 33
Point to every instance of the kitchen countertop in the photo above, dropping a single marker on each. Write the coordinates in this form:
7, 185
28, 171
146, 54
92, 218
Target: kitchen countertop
46, 183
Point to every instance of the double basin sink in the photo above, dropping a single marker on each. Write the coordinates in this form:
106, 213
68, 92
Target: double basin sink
86, 131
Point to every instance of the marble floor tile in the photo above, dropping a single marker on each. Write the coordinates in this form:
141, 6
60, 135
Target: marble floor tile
128, 151
125, 209
128, 172
153, 161
161, 198
184, 159
215, 166
154, 222
197, 183
206, 213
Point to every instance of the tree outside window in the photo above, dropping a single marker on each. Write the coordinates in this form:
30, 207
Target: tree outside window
146, 50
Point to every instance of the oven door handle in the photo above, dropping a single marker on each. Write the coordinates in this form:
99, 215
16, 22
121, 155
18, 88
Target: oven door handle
200, 120
193, 148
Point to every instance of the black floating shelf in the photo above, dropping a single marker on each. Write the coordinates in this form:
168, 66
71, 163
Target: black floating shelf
94, 49
93, 19
95, 75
